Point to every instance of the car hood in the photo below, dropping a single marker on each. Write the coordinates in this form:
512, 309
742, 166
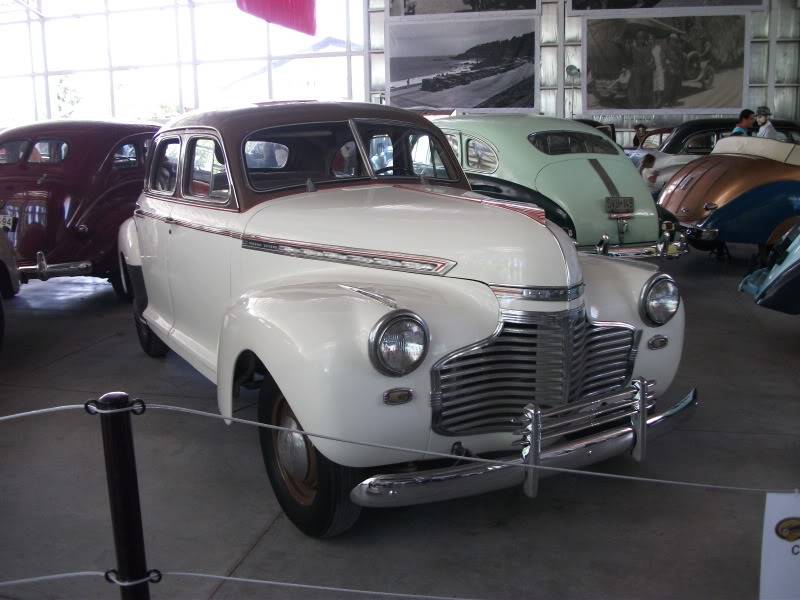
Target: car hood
487, 242
582, 185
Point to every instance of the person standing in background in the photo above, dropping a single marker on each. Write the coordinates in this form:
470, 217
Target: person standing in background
640, 88
765, 127
745, 123
658, 72
673, 70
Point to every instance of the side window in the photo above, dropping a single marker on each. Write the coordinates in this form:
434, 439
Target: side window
425, 157
164, 170
259, 154
48, 152
381, 153
125, 157
700, 143
652, 142
455, 144
12, 152
206, 175
480, 156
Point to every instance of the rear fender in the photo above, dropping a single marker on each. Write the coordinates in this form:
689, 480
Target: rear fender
312, 337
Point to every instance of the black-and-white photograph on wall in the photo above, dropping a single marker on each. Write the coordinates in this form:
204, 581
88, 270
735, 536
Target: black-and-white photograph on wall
577, 7
671, 64
469, 63
407, 8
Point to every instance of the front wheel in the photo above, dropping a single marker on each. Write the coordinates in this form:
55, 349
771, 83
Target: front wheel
313, 491
121, 282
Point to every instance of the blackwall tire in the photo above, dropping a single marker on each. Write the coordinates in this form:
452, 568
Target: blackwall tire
313, 491
149, 341
116, 279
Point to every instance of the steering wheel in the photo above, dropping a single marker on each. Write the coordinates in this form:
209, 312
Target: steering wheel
384, 170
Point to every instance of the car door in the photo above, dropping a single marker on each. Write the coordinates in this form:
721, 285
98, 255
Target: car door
204, 234
152, 215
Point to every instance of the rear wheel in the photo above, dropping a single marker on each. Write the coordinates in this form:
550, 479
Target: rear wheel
313, 491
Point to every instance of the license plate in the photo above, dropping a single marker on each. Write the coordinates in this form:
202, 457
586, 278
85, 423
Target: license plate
616, 205
8, 223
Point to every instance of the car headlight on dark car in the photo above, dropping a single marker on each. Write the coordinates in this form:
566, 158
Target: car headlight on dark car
398, 343
660, 300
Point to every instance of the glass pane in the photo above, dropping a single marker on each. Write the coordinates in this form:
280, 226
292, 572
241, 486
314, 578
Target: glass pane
12, 13
126, 4
165, 172
331, 33
37, 31
17, 102
547, 101
787, 103
80, 95
760, 25
146, 94
758, 63
76, 43
55, 8
132, 50
125, 157
376, 31
787, 65
357, 25
758, 96
573, 56
377, 72
228, 84
260, 154
41, 97
309, 78
184, 34
455, 143
48, 152
403, 151
12, 152
377, 4
15, 50
549, 67
187, 87
573, 29
208, 177
789, 22
223, 31
480, 156
549, 23
357, 74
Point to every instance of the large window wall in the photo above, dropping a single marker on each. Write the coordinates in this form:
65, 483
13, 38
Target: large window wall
152, 59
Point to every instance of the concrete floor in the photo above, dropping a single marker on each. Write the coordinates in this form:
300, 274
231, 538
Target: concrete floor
208, 506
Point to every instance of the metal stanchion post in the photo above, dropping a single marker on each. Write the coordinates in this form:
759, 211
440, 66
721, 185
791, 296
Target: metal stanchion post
123, 494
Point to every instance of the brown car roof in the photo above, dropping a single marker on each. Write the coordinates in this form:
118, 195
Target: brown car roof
105, 128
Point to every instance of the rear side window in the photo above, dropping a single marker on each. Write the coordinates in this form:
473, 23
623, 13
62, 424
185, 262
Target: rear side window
700, 143
207, 175
12, 152
571, 142
455, 144
261, 154
480, 156
125, 157
164, 171
48, 152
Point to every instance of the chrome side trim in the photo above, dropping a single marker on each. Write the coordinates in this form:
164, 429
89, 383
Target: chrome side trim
372, 294
542, 294
394, 261
447, 483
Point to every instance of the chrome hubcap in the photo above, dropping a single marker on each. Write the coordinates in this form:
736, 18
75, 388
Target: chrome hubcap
292, 449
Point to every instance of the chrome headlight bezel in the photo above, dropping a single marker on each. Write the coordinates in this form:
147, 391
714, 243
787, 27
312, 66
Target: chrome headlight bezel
380, 328
645, 296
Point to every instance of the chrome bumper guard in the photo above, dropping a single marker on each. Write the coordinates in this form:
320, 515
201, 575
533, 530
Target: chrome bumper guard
537, 428
670, 246
705, 234
41, 270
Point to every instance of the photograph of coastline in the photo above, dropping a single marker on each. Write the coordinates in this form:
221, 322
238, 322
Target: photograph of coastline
679, 64
467, 64
577, 6
399, 8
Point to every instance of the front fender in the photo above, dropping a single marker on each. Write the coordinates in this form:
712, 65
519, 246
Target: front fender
613, 288
313, 339
128, 243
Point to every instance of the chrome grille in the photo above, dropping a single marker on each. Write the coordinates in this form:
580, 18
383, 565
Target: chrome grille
550, 359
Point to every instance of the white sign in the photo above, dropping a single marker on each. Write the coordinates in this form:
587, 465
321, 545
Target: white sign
780, 549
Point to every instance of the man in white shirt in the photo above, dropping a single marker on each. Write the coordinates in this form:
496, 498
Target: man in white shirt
765, 128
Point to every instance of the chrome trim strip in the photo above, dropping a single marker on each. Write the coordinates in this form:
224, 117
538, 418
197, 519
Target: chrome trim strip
142, 212
394, 261
447, 483
372, 294
538, 293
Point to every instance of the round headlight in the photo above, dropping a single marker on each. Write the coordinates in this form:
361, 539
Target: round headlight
660, 300
398, 343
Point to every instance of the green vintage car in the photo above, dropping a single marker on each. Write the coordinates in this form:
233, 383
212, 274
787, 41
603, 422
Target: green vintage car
580, 177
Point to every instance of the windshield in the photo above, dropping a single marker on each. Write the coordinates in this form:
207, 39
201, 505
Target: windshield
12, 152
283, 157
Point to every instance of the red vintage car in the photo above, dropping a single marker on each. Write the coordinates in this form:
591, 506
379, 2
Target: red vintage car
65, 188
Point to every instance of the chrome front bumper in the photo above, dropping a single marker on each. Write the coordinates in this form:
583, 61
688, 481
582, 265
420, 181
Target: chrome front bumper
42, 270
666, 248
421, 487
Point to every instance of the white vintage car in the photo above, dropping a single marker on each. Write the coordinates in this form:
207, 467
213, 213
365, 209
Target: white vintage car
389, 304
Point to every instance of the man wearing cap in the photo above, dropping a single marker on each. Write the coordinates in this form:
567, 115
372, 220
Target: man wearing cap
765, 128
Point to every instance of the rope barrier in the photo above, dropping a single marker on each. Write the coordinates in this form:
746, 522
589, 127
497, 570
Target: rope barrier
138, 407
54, 577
